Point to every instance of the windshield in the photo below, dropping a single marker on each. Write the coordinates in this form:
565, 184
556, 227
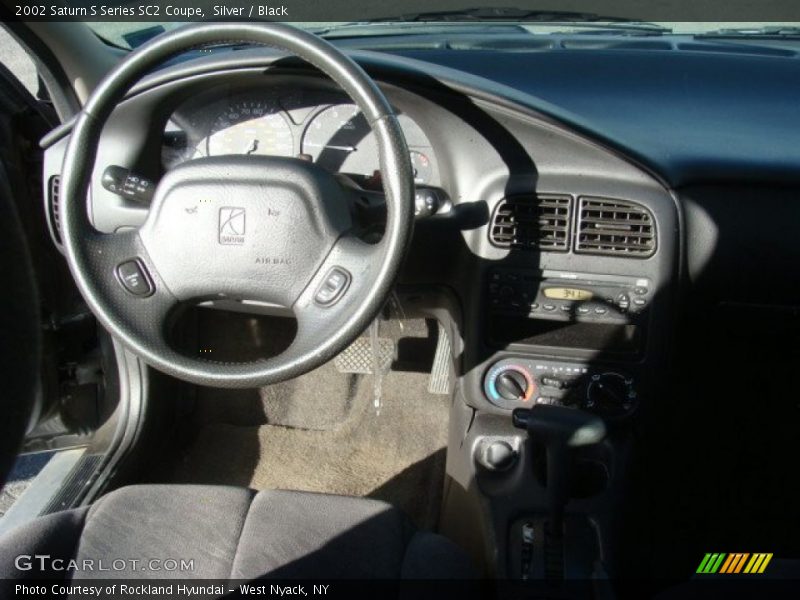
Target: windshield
132, 34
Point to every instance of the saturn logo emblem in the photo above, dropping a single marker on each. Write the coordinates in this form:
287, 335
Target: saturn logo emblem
232, 223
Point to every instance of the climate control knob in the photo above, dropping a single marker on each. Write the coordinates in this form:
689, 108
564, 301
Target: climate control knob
510, 386
610, 395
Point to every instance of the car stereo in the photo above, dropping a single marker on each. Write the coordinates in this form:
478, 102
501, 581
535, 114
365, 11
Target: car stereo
564, 309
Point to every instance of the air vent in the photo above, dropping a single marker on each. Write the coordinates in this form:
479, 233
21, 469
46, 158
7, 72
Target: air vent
614, 227
532, 223
53, 207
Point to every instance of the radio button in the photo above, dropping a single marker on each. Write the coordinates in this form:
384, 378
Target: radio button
623, 302
600, 311
549, 307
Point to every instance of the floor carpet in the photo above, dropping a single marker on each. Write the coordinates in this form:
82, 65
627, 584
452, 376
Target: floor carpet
321, 432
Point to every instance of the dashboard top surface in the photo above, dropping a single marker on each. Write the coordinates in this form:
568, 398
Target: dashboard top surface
691, 116
693, 113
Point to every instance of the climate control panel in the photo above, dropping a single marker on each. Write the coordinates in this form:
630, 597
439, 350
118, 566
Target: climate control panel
524, 382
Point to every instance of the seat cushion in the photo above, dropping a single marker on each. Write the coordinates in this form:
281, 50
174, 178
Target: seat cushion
227, 532
167, 522
290, 534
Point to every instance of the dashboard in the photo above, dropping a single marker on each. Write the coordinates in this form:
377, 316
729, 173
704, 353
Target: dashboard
511, 172
317, 125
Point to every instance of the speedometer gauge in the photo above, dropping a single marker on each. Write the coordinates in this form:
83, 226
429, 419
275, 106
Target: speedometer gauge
248, 127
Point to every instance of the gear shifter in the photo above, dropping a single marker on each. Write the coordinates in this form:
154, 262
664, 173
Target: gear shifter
559, 429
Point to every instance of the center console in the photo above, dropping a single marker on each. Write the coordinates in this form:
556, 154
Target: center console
581, 335
578, 311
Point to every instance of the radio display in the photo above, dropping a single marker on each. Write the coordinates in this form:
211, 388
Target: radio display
565, 293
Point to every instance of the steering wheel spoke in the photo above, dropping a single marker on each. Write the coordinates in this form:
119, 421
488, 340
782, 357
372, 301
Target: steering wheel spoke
131, 283
342, 283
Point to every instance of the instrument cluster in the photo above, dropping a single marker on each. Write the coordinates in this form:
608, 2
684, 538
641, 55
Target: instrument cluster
316, 125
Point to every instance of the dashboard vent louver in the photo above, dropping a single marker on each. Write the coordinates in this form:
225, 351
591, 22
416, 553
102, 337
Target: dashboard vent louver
53, 207
532, 223
614, 227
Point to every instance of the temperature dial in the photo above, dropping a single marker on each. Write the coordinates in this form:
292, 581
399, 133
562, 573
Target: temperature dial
610, 395
510, 386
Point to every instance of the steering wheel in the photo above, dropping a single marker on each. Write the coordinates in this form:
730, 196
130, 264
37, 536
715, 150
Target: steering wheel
270, 229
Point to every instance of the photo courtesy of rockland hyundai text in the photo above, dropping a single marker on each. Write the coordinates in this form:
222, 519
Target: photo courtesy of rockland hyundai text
415, 300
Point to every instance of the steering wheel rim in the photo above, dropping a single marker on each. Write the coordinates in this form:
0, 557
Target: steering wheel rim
141, 322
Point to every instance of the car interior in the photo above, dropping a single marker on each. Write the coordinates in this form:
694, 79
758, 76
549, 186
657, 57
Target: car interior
430, 299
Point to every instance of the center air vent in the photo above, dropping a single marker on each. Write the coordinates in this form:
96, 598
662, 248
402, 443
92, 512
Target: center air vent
53, 208
532, 223
614, 227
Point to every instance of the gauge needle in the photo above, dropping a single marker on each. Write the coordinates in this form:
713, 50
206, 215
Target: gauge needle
342, 148
251, 147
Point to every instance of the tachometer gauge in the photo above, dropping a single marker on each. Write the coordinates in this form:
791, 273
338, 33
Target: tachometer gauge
340, 139
248, 127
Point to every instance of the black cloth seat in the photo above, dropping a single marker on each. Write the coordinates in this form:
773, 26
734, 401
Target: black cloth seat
230, 532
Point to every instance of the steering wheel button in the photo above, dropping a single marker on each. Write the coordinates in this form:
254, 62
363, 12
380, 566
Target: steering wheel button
133, 277
333, 287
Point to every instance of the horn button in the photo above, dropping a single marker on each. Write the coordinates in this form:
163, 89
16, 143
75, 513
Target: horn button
248, 227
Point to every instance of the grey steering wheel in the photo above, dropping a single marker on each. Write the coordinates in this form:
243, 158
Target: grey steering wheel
270, 229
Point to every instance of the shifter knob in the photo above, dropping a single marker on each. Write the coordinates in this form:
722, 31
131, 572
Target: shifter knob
560, 425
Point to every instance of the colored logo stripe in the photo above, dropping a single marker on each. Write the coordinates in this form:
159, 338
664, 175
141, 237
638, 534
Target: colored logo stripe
710, 563
734, 563
737, 562
758, 563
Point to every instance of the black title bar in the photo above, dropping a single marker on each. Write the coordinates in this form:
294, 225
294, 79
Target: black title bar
721, 11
